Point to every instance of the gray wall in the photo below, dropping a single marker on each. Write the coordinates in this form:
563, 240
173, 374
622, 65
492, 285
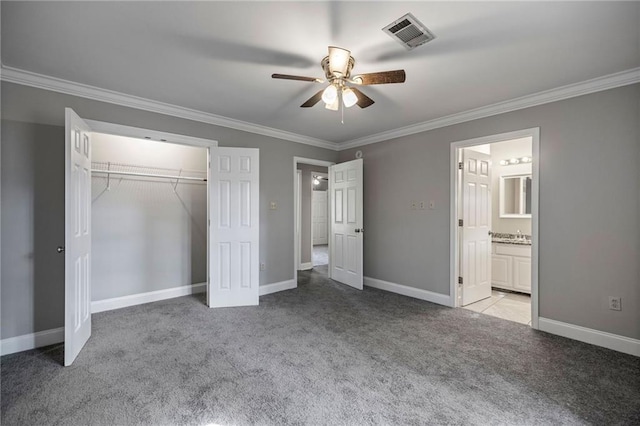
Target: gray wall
589, 206
146, 236
306, 208
32, 227
33, 289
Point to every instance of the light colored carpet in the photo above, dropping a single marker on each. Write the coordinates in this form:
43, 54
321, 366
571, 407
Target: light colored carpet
320, 255
319, 354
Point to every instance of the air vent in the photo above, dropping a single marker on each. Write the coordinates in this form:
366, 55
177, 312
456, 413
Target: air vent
409, 32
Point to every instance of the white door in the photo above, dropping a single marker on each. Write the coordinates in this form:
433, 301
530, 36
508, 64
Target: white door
234, 230
319, 217
77, 248
345, 245
475, 259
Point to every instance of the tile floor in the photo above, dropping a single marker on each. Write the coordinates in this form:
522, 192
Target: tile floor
503, 304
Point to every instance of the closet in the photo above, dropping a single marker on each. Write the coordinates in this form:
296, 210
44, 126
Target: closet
149, 217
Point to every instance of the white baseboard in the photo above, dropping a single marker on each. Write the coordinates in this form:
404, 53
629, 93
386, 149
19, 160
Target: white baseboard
305, 266
276, 287
616, 342
429, 296
31, 341
152, 296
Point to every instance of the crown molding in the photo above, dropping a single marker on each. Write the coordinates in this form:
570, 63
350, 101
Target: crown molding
606, 82
41, 81
28, 78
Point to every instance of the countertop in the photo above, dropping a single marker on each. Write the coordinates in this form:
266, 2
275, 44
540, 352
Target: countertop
514, 241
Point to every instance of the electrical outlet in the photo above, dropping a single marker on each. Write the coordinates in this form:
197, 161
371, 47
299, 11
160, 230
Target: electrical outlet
263, 266
615, 303
273, 205
423, 205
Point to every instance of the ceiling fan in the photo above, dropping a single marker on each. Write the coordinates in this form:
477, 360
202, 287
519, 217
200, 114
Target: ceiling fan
337, 68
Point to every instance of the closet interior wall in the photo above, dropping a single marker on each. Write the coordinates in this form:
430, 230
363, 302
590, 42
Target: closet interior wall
148, 233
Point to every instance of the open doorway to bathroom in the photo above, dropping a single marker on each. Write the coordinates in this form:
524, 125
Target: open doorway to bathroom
495, 217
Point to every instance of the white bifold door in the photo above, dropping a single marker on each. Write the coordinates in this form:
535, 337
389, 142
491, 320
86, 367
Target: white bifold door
77, 248
346, 224
234, 230
475, 256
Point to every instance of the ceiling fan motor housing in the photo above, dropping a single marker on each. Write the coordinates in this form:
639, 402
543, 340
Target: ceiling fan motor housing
331, 76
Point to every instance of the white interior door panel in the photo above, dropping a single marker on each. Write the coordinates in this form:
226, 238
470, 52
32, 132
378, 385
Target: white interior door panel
77, 248
234, 231
346, 223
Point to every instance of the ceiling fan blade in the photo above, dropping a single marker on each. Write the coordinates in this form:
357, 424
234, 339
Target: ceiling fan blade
297, 77
363, 100
312, 100
385, 77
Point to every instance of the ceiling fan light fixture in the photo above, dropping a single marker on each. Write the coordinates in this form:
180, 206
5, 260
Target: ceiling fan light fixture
349, 97
333, 106
338, 61
330, 94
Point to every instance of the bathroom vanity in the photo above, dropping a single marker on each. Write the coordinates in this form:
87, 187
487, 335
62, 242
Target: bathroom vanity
511, 264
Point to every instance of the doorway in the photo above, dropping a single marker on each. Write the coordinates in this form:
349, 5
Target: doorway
494, 225
311, 216
148, 220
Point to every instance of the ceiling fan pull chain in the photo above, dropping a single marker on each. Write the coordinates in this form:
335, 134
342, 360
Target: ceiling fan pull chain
342, 111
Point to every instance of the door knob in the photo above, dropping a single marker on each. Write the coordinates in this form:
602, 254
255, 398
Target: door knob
357, 230
60, 249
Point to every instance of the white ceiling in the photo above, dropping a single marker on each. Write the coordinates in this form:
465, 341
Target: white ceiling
218, 57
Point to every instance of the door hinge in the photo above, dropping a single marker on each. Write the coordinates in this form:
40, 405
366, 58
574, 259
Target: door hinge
459, 280
460, 165
460, 222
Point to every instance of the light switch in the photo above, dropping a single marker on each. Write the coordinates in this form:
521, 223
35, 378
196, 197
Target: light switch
273, 205
432, 205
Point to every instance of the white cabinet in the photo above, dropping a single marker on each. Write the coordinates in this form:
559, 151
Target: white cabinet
501, 270
511, 267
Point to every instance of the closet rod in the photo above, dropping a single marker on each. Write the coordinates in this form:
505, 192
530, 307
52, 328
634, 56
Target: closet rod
110, 172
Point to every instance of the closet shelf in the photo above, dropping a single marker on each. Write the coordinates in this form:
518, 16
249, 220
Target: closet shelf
151, 175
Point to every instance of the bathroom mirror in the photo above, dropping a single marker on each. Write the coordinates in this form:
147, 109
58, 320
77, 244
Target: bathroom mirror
515, 196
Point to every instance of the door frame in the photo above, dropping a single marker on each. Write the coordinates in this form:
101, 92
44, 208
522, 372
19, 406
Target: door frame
165, 137
298, 219
454, 237
296, 200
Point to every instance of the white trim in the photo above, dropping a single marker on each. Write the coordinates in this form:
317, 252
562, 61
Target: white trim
276, 287
616, 342
155, 135
306, 266
611, 81
41, 81
535, 228
141, 298
417, 293
534, 134
31, 341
